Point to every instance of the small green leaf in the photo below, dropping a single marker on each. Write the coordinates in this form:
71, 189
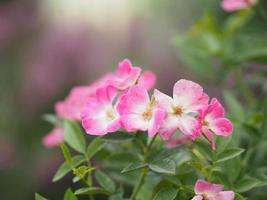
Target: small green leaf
66, 153
96, 145
92, 190
74, 136
69, 195
118, 137
165, 154
239, 197
229, 154
81, 171
104, 180
65, 167
168, 193
39, 197
116, 197
133, 166
167, 166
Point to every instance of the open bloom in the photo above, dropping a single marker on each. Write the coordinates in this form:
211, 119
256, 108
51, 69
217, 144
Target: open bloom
213, 121
138, 112
209, 191
233, 5
99, 115
125, 76
54, 138
182, 109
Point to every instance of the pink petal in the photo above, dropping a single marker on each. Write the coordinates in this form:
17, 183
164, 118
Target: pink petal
54, 138
163, 101
202, 186
210, 137
223, 127
189, 126
226, 195
134, 101
134, 122
147, 80
233, 5
158, 116
215, 109
106, 93
178, 141
189, 95
198, 197
126, 75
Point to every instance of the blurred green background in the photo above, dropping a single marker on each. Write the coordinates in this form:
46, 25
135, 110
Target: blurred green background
48, 46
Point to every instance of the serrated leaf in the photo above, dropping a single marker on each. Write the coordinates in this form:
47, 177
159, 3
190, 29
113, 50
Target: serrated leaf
66, 168
69, 195
92, 190
105, 181
134, 166
229, 154
96, 145
74, 136
39, 197
168, 193
167, 166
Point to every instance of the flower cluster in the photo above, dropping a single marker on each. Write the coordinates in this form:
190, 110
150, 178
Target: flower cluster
120, 100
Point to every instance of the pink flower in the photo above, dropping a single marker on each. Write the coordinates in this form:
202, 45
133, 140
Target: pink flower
100, 116
209, 191
213, 121
147, 80
54, 138
73, 104
233, 5
125, 76
172, 142
182, 109
138, 112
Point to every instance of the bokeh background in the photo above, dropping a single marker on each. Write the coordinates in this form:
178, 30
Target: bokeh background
48, 46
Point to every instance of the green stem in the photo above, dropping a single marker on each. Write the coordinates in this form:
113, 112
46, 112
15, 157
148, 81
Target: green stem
144, 171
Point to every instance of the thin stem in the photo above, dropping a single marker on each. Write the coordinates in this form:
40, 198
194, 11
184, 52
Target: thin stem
144, 171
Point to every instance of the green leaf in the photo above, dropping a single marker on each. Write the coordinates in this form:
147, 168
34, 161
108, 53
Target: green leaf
39, 197
164, 154
65, 167
239, 197
133, 166
81, 171
118, 137
167, 166
104, 180
235, 108
247, 183
168, 193
74, 136
229, 154
69, 195
96, 145
116, 197
66, 153
92, 190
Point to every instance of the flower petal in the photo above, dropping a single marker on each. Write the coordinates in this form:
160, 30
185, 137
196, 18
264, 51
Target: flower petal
198, 197
223, 127
134, 122
189, 95
134, 101
189, 126
226, 195
147, 80
54, 138
157, 118
202, 186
